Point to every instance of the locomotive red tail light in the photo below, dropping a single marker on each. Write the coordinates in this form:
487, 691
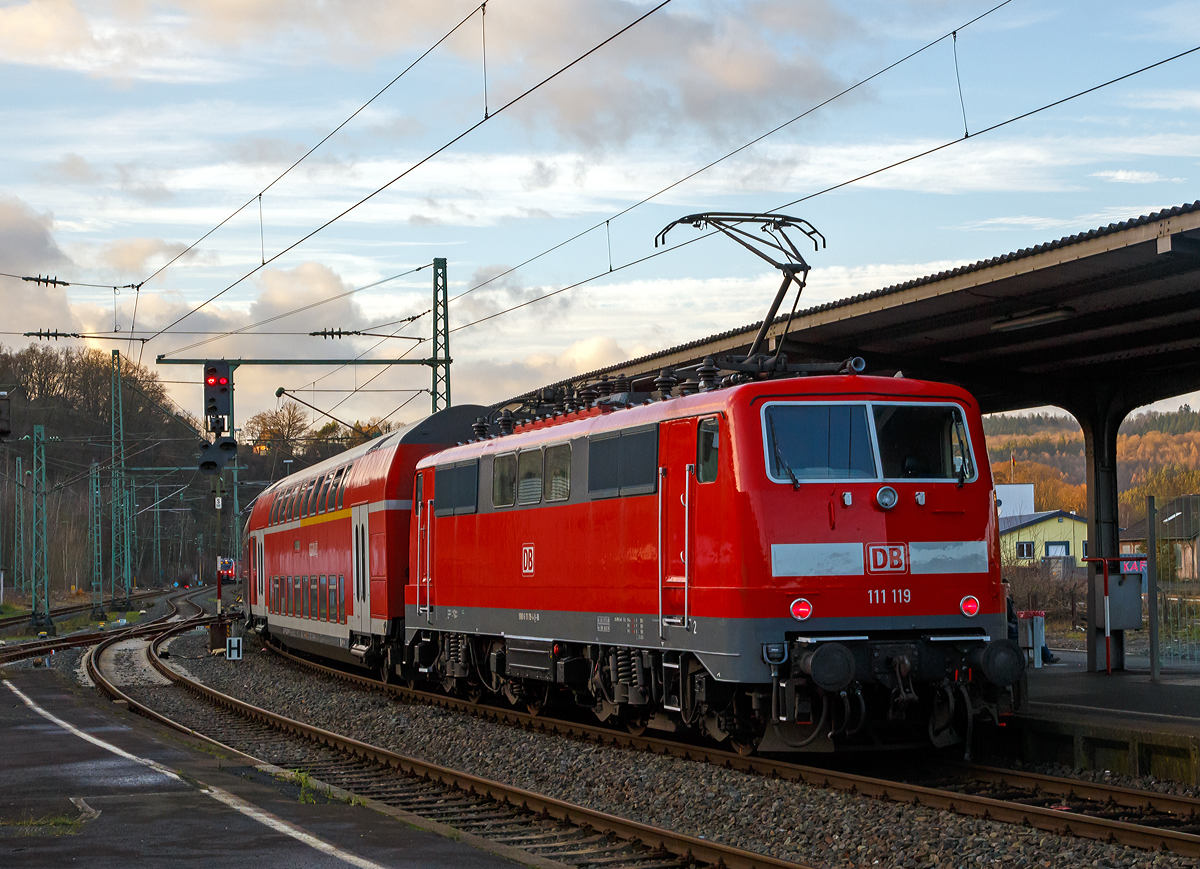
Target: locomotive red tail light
969, 605
801, 609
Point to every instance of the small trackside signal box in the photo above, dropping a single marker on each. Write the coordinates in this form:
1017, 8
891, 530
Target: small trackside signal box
5, 415
218, 394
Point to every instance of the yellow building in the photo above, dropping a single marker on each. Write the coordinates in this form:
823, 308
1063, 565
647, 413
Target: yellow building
1028, 540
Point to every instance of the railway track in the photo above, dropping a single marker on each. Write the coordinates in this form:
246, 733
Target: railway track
1069, 807
50, 645
506, 816
58, 612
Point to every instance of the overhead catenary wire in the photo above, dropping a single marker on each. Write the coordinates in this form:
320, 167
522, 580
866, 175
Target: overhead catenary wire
925, 153
729, 154
310, 151
450, 143
301, 309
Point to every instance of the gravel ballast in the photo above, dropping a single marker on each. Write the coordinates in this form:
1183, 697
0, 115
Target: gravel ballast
784, 819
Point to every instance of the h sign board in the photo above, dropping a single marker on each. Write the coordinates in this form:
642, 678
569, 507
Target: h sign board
233, 649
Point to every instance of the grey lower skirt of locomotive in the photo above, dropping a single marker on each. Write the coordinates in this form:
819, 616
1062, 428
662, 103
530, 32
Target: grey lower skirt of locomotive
824, 694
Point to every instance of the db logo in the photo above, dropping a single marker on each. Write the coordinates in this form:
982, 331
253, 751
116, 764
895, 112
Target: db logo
887, 558
527, 559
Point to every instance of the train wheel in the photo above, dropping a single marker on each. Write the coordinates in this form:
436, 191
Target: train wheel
474, 692
636, 727
536, 701
743, 747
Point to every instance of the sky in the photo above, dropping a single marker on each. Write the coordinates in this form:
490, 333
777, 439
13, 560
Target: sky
133, 128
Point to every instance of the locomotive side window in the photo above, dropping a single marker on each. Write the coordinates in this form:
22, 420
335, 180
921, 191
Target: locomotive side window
455, 488
529, 477
707, 439
558, 472
504, 480
623, 463
418, 493
923, 442
639, 460
603, 464
819, 442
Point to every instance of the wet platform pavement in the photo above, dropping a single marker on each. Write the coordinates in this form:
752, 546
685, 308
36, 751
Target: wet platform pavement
65, 800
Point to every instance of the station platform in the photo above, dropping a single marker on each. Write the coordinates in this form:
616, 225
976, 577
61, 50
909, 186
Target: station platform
1123, 723
83, 781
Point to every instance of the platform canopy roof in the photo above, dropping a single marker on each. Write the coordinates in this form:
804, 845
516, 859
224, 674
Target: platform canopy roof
1118, 305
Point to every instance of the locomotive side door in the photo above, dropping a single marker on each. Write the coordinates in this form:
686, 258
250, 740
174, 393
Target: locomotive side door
676, 494
360, 569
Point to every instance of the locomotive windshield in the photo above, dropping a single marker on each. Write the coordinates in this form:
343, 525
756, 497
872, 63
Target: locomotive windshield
923, 441
808, 441
819, 442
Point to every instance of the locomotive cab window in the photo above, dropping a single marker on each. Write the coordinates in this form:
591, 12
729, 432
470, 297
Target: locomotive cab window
504, 480
923, 442
707, 441
808, 441
558, 473
529, 477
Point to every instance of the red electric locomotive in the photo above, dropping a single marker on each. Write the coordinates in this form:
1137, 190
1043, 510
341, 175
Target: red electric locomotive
808, 564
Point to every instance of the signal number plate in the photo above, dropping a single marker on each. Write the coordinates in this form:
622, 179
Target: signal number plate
889, 595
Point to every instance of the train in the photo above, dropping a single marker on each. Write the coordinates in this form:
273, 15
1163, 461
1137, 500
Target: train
806, 564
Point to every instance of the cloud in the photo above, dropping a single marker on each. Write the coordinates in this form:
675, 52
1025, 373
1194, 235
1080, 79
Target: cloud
26, 241
28, 247
70, 168
131, 255
1129, 176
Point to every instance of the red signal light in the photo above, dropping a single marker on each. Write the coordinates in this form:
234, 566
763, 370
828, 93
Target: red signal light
801, 609
210, 380
224, 381
969, 606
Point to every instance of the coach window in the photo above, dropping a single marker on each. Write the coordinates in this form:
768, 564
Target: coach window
504, 480
707, 440
285, 513
529, 477
322, 600
558, 472
331, 497
331, 613
302, 504
341, 598
297, 606
342, 485
323, 493
312, 495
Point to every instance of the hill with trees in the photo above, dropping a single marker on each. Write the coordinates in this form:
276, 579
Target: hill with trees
68, 391
1157, 454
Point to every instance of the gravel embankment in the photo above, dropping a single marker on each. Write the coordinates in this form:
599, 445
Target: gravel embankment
792, 821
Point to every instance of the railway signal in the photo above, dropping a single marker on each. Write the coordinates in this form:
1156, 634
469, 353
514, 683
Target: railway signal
218, 393
215, 456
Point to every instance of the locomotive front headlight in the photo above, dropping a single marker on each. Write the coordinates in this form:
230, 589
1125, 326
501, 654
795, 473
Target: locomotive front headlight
969, 606
801, 609
886, 497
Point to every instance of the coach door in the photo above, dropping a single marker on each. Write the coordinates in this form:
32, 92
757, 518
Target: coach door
676, 496
257, 570
360, 550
